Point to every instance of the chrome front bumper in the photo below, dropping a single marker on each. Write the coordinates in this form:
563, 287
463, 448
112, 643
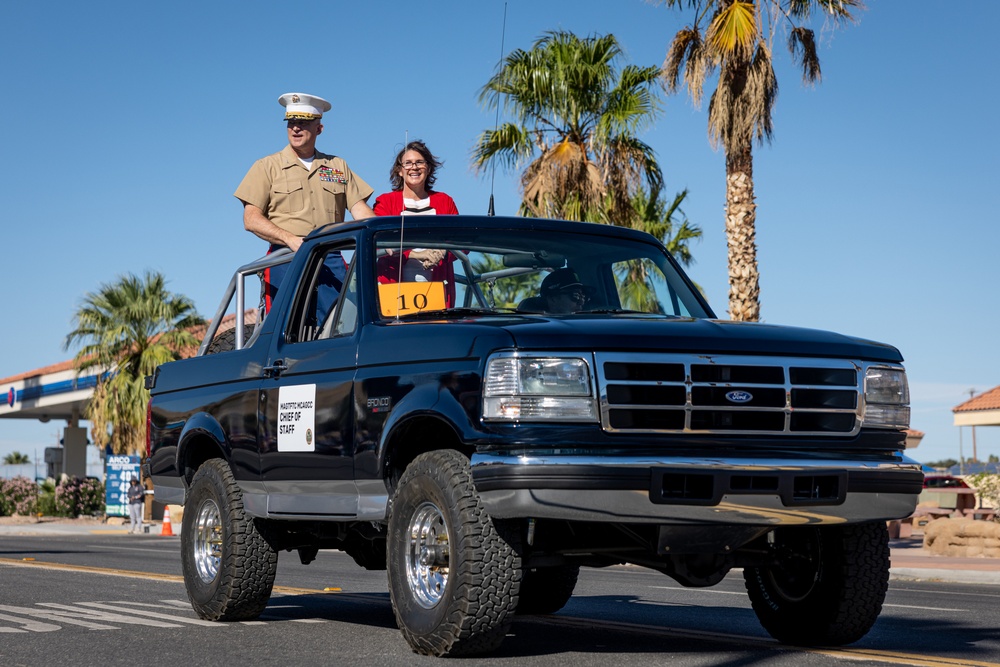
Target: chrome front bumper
683, 491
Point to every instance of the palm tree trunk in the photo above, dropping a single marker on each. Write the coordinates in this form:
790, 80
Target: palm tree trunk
741, 216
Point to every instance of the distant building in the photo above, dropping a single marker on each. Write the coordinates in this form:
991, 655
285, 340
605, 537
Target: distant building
981, 410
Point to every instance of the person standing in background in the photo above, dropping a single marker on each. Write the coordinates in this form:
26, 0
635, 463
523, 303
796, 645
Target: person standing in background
136, 505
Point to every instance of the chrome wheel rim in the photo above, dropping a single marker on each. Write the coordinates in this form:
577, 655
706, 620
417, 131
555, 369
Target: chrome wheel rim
208, 541
427, 555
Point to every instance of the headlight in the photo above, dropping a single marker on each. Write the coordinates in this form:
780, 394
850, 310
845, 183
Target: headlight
887, 398
538, 389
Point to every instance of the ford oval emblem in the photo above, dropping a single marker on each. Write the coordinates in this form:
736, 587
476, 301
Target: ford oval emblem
739, 396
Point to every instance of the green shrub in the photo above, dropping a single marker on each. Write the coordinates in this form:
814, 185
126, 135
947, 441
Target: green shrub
47, 498
47, 505
18, 495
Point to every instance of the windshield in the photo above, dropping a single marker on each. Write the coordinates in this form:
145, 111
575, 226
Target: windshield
459, 272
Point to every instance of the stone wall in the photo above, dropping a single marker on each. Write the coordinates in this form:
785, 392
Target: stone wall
963, 538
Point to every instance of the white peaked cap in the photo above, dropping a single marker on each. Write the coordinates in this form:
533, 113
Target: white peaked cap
302, 106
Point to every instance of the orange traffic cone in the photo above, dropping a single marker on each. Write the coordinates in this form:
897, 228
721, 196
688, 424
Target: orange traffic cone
166, 530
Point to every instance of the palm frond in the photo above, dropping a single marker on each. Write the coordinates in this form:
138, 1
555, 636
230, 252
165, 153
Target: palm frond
563, 182
734, 30
802, 44
508, 145
841, 11
630, 107
678, 58
740, 110
627, 165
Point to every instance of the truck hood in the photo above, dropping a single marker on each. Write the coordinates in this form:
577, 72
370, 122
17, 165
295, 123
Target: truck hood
657, 334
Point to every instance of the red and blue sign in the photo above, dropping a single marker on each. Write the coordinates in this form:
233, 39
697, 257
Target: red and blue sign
11, 395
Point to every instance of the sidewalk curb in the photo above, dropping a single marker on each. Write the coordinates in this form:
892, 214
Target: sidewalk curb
944, 575
53, 529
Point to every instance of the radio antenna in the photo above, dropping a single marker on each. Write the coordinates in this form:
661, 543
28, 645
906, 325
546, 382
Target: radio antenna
402, 218
496, 121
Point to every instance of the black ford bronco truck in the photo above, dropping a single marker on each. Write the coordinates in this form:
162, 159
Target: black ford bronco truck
482, 406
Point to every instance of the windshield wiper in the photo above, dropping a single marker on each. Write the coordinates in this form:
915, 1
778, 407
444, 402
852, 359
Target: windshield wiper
447, 313
617, 311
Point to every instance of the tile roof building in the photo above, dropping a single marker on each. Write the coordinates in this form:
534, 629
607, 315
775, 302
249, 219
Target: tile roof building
981, 410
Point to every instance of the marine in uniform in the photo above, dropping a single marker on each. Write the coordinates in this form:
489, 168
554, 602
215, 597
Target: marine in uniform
298, 189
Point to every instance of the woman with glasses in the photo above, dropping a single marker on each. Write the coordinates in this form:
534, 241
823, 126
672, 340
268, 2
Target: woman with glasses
412, 176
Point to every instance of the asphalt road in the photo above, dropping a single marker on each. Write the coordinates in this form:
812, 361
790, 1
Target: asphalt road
119, 600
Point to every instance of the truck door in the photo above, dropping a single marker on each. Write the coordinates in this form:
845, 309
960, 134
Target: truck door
306, 415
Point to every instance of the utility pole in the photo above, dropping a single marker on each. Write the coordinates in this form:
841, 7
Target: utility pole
972, 393
961, 455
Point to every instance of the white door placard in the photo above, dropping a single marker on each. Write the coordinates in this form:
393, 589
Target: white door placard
297, 418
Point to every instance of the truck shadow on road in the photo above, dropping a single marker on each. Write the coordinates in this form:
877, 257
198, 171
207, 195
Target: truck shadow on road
631, 625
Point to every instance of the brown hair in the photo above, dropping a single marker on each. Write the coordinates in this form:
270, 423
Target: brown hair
433, 164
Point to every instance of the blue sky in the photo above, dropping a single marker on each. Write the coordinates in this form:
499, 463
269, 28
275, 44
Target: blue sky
125, 128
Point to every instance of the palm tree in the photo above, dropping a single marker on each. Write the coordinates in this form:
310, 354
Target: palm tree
653, 215
737, 42
128, 329
16, 459
576, 119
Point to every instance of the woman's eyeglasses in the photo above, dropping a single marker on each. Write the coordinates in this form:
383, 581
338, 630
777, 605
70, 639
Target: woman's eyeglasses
414, 164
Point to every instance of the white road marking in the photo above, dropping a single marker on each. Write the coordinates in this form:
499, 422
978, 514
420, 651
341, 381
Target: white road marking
742, 594
117, 607
27, 624
57, 616
94, 614
913, 606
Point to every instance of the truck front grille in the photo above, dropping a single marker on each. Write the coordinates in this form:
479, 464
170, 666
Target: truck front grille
728, 394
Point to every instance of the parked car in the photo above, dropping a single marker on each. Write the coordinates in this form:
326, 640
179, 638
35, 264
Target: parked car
944, 482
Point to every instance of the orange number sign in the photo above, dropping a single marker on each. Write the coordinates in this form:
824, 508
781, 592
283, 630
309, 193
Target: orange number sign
407, 298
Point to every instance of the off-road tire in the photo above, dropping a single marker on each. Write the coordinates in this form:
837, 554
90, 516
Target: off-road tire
546, 590
226, 341
466, 606
228, 565
829, 585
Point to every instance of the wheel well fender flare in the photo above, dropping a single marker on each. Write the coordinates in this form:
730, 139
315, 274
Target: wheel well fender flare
201, 431
397, 447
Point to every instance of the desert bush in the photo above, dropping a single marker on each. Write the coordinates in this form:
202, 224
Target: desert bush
987, 485
18, 495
